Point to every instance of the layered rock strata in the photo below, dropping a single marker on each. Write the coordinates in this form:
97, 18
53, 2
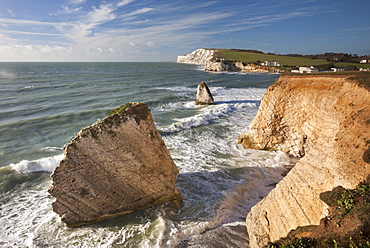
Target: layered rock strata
204, 96
115, 166
326, 121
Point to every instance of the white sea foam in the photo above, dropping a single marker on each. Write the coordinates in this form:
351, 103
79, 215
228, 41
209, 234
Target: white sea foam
8, 75
44, 164
52, 149
176, 88
206, 115
219, 180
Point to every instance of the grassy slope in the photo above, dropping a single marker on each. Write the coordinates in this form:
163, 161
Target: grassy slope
347, 226
248, 57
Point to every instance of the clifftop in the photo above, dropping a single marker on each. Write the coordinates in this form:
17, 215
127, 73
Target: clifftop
326, 121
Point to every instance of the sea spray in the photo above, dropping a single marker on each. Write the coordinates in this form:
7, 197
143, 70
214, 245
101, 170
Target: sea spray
44, 164
46, 104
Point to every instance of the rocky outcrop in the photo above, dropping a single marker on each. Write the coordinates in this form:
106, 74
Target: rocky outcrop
204, 96
116, 166
237, 66
224, 65
198, 57
326, 121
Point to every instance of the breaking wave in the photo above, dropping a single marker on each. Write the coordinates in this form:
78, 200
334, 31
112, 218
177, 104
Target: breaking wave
44, 164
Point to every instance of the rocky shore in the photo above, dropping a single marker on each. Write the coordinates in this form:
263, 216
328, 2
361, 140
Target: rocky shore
323, 120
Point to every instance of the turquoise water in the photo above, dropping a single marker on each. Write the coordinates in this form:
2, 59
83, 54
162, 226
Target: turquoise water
44, 105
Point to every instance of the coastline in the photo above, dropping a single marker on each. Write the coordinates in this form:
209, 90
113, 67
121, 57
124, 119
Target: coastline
208, 59
282, 128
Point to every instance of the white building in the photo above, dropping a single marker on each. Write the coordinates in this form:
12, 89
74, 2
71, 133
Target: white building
306, 69
271, 63
335, 69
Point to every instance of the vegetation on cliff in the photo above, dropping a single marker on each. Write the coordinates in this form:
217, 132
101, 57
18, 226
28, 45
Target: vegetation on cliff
120, 109
348, 223
292, 60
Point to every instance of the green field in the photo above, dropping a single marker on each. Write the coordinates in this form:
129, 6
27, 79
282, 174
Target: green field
286, 61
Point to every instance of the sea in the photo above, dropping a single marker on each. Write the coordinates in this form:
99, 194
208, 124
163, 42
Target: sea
44, 105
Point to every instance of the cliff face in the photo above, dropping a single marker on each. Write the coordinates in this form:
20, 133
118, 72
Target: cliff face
198, 57
326, 121
116, 166
207, 58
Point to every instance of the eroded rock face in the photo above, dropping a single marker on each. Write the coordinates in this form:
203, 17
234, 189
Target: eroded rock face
204, 96
326, 121
116, 166
197, 57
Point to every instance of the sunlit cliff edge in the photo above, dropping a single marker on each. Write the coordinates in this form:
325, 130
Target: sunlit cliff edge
325, 119
211, 62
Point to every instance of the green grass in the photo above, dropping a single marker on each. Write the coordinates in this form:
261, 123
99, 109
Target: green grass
248, 57
120, 109
363, 79
349, 209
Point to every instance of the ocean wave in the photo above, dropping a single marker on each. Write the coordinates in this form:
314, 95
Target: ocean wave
208, 114
176, 88
44, 164
8, 75
52, 149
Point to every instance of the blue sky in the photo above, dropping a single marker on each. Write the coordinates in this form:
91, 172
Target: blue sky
151, 30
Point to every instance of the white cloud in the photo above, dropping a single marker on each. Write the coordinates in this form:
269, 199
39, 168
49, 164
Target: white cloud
137, 12
67, 10
30, 52
11, 12
131, 43
124, 2
28, 33
102, 14
9, 21
76, 2
150, 44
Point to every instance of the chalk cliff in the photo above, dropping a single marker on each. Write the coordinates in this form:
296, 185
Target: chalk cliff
115, 166
208, 58
198, 57
326, 121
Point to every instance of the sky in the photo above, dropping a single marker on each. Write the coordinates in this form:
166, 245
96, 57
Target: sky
160, 30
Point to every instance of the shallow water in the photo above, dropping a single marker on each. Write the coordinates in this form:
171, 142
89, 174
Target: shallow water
44, 105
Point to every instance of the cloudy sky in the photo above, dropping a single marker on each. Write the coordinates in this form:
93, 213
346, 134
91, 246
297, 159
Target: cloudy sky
159, 30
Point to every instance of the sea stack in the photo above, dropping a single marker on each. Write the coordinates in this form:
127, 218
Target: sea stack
204, 96
116, 166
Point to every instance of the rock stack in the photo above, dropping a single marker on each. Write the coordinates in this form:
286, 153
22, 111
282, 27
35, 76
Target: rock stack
116, 166
204, 96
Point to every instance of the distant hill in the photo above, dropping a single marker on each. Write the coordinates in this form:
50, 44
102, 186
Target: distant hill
293, 60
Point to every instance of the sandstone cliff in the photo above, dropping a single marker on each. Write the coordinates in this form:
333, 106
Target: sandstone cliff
326, 121
116, 166
204, 96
